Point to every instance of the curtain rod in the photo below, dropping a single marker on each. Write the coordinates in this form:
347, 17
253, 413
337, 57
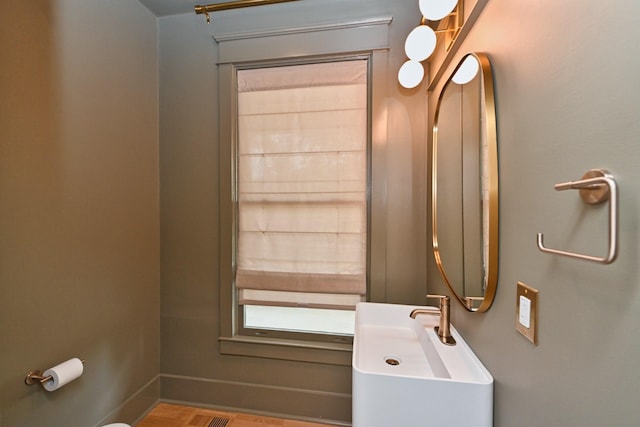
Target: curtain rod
199, 9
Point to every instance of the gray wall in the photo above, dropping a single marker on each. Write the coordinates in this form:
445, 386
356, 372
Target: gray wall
192, 368
567, 101
79, 209
79, 212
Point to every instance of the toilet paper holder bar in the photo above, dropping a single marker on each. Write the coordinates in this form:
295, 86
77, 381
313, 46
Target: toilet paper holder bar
37, 377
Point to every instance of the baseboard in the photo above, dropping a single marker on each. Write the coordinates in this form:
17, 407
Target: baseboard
283, 402
133, 409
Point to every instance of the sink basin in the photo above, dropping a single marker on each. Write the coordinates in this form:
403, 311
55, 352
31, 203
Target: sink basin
404, 376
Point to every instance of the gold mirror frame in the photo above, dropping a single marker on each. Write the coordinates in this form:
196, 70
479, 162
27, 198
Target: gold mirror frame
491, 188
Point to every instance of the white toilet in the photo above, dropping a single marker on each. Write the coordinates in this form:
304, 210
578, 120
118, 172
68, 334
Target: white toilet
117, 425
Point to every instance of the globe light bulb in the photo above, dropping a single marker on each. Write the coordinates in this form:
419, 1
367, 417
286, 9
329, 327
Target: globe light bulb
410, 74
435, 10
420, 43
467, 70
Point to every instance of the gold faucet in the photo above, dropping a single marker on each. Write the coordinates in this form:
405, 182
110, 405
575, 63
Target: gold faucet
444, 329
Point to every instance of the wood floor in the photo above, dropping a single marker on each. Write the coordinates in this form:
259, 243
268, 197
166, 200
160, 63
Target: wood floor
169, 415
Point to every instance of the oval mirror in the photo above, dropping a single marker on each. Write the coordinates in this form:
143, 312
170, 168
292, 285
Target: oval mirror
465, 184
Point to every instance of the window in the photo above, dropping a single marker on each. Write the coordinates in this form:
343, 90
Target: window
301, 226
364, 40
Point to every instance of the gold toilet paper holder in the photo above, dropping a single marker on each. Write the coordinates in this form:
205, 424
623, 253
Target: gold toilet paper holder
37, 377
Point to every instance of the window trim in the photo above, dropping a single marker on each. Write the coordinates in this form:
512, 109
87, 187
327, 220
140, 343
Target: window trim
231, 342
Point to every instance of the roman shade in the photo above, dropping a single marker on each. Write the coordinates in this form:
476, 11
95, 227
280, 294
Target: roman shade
302, 185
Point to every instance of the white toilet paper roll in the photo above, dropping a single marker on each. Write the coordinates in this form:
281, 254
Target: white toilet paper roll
63, 374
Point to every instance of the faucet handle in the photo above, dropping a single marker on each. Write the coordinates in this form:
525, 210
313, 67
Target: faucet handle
444, 299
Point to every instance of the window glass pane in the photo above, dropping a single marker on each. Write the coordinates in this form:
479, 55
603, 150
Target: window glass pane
295, 319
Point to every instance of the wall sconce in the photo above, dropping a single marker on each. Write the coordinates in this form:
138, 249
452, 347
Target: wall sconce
447, 17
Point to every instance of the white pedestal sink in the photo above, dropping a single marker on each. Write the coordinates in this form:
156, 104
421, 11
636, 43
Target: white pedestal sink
403, 376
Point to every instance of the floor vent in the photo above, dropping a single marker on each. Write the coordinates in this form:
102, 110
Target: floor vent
219, 422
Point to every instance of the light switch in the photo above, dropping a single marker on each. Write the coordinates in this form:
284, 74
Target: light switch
527, 312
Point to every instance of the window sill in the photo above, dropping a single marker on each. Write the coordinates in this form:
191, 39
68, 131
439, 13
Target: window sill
284, 349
